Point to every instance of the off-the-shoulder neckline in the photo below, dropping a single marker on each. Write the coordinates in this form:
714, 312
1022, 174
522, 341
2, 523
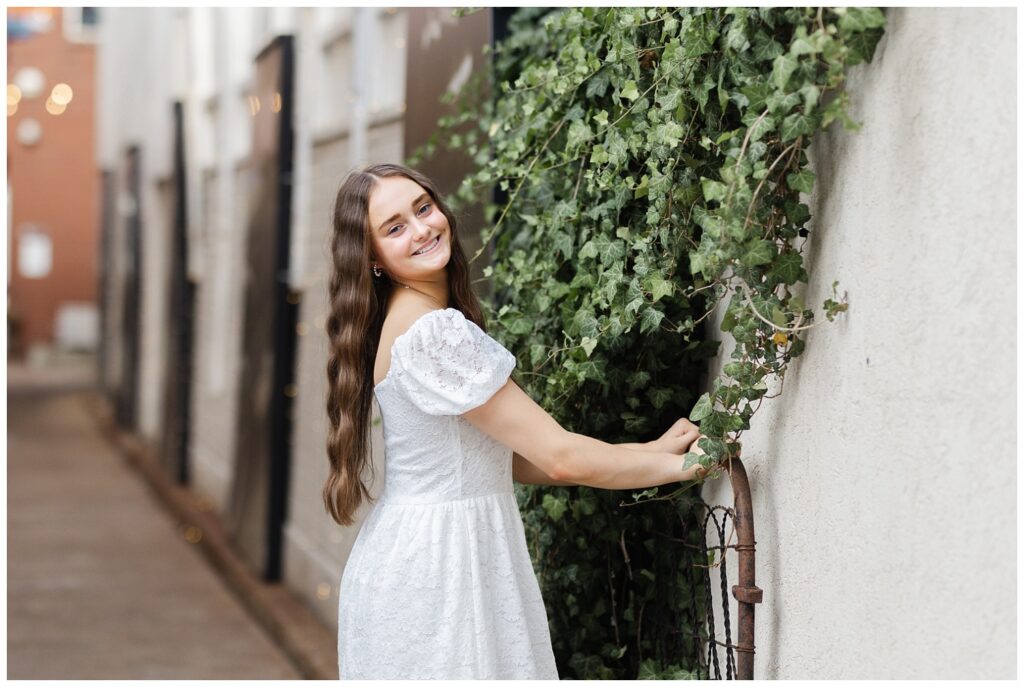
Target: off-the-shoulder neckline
391, 364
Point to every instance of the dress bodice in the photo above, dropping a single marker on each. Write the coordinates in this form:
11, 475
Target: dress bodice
441, 367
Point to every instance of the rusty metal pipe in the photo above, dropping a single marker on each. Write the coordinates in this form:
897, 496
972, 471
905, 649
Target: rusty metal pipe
746, 592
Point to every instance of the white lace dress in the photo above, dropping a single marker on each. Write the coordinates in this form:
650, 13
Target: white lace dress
439, 583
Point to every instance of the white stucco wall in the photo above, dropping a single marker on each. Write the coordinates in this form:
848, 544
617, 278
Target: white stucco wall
884, 477
140, 74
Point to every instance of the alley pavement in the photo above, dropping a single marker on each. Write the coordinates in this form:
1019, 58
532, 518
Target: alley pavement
101, 582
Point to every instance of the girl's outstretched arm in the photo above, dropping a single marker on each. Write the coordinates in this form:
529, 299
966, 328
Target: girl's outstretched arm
525, 472
513, 418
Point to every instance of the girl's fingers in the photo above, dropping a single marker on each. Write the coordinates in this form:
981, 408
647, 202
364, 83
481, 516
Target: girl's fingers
680, 427
681, 443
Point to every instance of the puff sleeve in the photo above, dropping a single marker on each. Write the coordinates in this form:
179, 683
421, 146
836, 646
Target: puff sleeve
446, 365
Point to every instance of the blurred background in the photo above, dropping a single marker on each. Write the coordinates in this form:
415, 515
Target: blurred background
170, 174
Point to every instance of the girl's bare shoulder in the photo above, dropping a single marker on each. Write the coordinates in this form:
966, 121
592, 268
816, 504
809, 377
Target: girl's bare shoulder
401, 315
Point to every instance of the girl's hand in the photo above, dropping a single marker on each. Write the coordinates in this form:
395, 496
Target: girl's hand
680, 438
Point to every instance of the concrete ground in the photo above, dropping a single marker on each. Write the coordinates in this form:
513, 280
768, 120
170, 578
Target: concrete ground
101, 582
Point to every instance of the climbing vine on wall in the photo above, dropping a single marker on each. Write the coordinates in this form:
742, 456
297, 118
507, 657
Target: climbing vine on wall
653, 169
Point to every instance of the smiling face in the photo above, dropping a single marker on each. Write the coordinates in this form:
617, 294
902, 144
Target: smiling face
404, 219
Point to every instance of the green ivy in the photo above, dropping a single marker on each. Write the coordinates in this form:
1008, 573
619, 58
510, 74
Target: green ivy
653, 168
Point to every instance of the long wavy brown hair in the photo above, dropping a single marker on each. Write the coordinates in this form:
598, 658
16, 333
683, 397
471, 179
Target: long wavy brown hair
358, 303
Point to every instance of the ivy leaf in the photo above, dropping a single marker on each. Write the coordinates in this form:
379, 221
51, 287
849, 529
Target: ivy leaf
555, 507
562, 243
728, 321
856, 19
781, 103
629, 90
698, 42
648, 670
788, 268
609, 250
588, 344
589, 250
661, 288
579, 132
760, 128
862, 46
761, 253
641, 189
701, 409
659, 397
801, 181
597, 85
726, 135
810, 93
713, 190
690, 458
669, 133
801, 46
757, 93
520, 326
797, 124
650, 320
714, 448
782, 68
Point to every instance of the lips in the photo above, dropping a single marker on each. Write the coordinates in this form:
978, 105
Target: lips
429, 247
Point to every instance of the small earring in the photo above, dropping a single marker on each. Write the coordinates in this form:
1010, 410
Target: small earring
376, 271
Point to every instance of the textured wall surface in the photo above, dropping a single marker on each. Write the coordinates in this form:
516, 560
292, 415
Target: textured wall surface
884, 477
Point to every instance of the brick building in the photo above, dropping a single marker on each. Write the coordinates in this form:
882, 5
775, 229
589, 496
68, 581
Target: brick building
52, 188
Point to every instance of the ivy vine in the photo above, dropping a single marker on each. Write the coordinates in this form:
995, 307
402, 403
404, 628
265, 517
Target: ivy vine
652, 167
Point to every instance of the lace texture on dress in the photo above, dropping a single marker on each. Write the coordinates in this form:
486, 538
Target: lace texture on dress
447, 365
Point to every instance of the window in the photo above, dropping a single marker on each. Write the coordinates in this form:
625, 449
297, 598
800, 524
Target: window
35, 252
81, 24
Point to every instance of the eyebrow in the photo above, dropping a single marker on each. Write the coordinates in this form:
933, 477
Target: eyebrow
395, 216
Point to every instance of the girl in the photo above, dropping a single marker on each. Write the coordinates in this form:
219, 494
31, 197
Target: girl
439, 583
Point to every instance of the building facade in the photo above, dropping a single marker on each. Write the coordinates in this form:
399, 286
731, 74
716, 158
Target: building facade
52, 188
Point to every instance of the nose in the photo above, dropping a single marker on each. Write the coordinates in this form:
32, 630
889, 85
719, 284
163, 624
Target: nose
420, 229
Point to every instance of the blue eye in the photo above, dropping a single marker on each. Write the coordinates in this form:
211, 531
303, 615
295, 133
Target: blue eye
426, 205
394, 227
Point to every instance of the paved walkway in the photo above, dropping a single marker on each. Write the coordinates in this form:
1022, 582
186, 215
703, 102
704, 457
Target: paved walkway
100, 581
